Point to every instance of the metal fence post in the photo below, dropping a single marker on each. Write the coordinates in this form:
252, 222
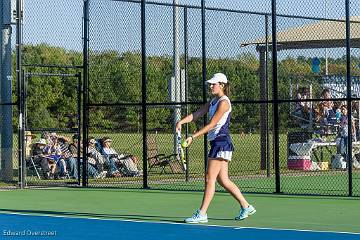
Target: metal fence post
264, 138
143, 88
268, 165
85, 93
203, 47
275, 97
186, 59
20, 80
79, 122
348, 94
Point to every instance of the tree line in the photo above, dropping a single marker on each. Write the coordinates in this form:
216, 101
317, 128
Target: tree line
115, 90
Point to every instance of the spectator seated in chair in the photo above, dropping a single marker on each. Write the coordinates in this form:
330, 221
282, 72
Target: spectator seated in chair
92, 171
47, 164
53, 151
327, 114
28, 143
302, 108
101, 161
71, 162
30, 160
127, 163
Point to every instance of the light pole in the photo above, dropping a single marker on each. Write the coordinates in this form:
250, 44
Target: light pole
176, 66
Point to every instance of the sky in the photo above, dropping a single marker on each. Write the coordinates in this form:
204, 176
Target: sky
115, 25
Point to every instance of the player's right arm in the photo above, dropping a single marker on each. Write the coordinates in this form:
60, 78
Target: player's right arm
193, 116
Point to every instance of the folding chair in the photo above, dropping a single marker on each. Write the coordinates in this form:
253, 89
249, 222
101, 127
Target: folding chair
34, 167
160, 160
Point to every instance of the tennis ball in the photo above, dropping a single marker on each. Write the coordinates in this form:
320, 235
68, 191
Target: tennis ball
184, 144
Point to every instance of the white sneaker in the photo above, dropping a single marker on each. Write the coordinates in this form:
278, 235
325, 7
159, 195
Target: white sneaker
101, 175
245, 212
197, 217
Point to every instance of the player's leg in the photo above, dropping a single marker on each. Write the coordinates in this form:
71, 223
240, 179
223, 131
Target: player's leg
212, 171
224, 180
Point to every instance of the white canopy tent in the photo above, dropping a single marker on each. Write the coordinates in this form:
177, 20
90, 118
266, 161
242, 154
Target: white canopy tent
320, 34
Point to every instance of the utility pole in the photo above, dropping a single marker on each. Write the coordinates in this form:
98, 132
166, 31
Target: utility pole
7, 15
176, 71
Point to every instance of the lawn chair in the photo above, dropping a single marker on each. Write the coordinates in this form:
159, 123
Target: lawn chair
162, 161
31, 166
120, 162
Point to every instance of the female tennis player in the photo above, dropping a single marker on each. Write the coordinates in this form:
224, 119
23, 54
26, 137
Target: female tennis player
219, 109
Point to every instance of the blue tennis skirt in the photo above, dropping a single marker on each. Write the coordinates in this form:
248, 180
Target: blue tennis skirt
221, 147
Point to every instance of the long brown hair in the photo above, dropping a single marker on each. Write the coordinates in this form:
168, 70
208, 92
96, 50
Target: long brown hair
226, 88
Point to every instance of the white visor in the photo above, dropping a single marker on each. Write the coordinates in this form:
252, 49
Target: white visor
218, 78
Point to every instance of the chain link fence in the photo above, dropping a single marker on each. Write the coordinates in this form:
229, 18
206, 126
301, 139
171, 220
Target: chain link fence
51, 58
283, 141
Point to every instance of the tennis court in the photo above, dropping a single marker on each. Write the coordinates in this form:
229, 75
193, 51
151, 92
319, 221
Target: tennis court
63, 213
126, 71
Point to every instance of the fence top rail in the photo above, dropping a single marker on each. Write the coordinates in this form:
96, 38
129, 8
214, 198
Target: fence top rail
51, 66
65, 130
236, 11
52, 74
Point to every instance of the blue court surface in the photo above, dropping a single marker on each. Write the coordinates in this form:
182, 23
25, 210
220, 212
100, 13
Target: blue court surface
16, 226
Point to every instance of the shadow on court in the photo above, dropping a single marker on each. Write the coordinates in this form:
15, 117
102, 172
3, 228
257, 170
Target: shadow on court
158, 218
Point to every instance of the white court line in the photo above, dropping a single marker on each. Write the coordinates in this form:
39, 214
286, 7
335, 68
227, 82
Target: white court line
296, 230
174, 223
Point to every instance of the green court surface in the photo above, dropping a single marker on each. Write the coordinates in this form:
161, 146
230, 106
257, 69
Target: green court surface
339, 214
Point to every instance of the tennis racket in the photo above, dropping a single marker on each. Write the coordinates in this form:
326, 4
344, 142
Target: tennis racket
180, 150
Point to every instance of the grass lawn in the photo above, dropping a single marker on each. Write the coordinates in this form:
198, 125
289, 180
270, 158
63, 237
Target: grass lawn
244, 168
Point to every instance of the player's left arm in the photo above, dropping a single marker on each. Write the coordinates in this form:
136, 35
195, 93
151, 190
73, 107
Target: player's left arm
223, 107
